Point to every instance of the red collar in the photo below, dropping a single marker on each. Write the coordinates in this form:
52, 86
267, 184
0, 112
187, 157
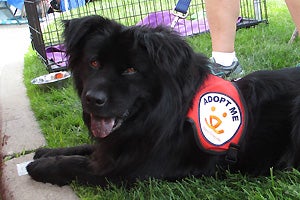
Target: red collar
218, 115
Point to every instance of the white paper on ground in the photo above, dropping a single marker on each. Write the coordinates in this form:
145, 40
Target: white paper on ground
22, 168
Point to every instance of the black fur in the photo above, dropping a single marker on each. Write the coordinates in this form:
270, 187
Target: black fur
155, 139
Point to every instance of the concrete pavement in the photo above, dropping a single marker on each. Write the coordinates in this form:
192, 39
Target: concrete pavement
19, 131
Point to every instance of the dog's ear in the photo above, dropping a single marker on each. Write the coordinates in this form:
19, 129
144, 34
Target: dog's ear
76, 29
165, 47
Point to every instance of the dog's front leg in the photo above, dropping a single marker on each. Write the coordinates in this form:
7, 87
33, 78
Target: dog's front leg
82, 150
62, 170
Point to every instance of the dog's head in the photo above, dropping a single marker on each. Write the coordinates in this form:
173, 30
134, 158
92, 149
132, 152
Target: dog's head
124, 73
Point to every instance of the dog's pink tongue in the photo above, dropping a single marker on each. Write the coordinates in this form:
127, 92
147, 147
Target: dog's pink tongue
102, 127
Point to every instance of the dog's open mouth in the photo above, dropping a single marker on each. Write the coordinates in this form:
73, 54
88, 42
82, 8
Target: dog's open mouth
102, 127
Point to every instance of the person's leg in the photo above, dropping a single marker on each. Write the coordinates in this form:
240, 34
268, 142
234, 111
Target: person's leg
294, 8
222, 17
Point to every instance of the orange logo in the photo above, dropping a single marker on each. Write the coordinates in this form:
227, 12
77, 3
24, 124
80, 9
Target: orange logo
215, 121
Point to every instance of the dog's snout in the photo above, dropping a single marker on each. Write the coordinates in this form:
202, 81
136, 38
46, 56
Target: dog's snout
96, 98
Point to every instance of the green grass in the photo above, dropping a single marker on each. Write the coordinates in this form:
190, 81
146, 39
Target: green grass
58, 112
235, 186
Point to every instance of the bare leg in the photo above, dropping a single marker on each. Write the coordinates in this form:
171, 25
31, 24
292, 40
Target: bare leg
294, 8
222, 17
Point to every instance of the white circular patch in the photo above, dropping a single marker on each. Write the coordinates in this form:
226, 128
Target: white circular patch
219, 117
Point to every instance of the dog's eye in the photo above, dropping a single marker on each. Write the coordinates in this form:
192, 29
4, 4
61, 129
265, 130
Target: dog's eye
129, 71
95, 64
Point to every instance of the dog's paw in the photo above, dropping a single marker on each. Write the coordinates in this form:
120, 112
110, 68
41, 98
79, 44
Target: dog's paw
46, 170
42, 152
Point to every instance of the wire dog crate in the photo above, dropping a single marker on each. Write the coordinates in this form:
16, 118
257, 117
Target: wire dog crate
44, 19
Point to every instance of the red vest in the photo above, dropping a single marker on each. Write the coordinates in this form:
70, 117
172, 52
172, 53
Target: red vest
218, 114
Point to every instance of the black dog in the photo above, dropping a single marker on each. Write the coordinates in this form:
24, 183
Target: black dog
139, 88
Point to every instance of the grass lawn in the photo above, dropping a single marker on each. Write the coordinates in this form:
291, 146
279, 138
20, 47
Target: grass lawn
58, 112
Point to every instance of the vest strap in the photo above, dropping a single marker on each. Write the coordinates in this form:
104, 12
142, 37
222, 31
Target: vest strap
232, 154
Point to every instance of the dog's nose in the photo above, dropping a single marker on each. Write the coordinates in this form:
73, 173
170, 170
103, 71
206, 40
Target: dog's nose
96, 98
